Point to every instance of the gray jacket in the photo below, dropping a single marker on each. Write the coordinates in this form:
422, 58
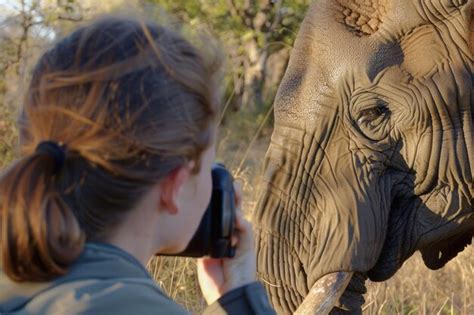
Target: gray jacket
107, 280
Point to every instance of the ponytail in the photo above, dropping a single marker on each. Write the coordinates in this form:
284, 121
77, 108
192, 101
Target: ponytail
40, 236
127, 125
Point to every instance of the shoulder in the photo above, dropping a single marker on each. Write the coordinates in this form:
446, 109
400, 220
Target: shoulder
120, 296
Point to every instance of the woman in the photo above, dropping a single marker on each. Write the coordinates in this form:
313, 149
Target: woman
117, 138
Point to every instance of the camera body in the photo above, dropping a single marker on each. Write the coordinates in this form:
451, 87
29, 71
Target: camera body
213, 236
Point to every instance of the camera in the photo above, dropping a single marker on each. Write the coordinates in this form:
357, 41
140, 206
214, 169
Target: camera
213, 236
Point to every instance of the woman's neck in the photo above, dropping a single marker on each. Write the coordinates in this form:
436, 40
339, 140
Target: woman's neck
137, 234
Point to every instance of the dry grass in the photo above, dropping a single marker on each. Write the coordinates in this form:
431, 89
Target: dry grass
176, 275
413, 290
177, 278
417, 290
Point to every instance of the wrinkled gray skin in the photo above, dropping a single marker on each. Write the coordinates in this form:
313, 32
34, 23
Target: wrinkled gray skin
372, 154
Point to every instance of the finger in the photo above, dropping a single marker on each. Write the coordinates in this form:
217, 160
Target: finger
240, 223
211, 276
237, 194
209, 265
244, 229
234, 240
239, 182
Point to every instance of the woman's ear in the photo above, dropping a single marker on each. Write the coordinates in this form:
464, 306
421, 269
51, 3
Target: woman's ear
170, 187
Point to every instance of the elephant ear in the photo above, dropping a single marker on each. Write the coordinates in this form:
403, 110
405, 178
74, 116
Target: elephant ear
438, 255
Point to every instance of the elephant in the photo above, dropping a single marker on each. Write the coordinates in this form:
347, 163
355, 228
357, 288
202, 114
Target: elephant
371, 158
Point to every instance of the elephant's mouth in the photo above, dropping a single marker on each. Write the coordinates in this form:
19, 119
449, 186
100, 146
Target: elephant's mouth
345, 289
402, 237
402, 240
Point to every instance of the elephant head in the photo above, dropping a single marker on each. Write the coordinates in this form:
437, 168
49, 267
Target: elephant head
372, 154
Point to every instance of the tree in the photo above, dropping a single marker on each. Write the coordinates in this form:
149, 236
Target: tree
27, 27
256, 34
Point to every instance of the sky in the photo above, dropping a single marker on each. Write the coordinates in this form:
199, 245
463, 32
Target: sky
6, 7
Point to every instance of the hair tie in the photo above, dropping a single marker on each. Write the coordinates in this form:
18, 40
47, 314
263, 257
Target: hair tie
55, 150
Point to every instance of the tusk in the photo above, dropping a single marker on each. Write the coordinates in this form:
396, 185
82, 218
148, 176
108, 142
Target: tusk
324, 294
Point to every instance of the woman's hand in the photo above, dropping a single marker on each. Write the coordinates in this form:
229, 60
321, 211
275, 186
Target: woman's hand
219, 276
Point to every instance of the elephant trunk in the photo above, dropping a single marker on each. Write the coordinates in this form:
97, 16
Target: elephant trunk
312, 222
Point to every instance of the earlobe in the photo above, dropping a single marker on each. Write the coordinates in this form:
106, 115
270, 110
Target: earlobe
170, 187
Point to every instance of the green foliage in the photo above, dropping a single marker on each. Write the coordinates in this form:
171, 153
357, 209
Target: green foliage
244, 21
251, 32
218, 14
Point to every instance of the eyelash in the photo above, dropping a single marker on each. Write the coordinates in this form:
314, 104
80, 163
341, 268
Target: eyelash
370, 114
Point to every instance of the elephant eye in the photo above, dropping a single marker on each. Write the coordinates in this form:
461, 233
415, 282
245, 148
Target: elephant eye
373, 120
373, 115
